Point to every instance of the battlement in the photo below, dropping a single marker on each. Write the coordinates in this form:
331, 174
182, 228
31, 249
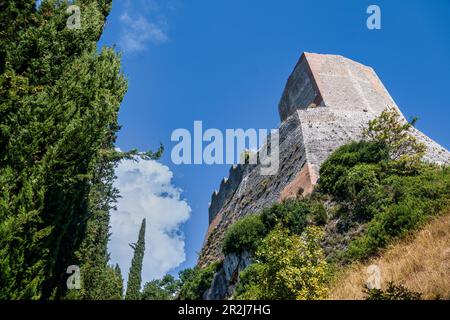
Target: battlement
227, 188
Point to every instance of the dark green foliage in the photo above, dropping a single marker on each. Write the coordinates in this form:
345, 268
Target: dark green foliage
362, 195
346, 157
98, 283
135, 274
244, 235
59, 101
409, 202
392, 292
318, 213
161, 289
378, 189
249, 280
295, 215
97, 280
119, 277
196, 281
388, 195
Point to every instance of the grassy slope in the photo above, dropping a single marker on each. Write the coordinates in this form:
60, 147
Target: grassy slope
420, 262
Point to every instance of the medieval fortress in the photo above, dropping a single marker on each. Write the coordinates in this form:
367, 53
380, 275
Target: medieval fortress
326, 102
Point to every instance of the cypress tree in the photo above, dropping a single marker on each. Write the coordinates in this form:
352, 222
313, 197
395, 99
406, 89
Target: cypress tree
135, 274
120, 279
59, 101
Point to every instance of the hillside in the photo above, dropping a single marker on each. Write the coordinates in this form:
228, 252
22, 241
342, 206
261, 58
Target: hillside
420, 262
371, 194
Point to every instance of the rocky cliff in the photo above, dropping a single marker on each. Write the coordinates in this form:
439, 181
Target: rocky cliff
327, 101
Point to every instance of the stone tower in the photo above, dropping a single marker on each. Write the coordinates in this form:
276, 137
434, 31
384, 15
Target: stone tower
327, 101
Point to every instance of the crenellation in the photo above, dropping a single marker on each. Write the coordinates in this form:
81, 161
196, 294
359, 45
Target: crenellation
227, 188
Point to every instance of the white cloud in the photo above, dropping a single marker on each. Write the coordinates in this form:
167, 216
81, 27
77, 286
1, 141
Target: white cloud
147, 192
138, 29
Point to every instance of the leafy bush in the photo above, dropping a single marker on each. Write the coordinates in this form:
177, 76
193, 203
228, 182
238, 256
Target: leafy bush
194, 282
393, 292
243, 235
390, 129
291, 267
343, 159
295, 215
381, 182
363, 194
378, 183
292, 214
248, 287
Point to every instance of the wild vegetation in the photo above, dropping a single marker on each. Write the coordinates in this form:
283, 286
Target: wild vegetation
392, 292
289, 267
135, 275
161, 289
247, 233
194, 282
378, 185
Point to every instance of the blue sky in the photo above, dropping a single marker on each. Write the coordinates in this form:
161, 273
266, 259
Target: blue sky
226, 63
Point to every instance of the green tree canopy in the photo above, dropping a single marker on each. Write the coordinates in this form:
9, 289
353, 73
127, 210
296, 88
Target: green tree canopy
59, 103
161, 289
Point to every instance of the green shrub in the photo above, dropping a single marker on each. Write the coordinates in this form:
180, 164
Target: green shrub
381, 183
346, 157
295, 215
161, 289
361, 191
380, 187
290, 267
405, 151
393, 292
318, 212
194, 282
244, 234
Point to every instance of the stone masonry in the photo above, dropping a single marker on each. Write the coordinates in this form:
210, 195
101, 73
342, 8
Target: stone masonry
327, 101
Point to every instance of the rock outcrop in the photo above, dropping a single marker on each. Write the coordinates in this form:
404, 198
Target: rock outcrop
327, 101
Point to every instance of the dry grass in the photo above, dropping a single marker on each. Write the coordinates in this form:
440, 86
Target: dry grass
420, 262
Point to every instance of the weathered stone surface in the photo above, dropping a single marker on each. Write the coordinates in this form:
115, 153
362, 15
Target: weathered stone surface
227, 187
335, 82
226, 278
327, 101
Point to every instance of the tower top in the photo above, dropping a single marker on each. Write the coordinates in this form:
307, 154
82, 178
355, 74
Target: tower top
325, 80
